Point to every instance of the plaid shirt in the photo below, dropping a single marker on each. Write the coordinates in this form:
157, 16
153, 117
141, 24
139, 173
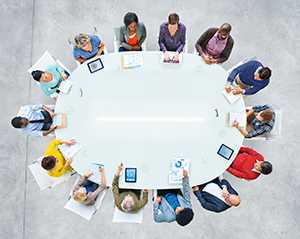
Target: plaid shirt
260, 127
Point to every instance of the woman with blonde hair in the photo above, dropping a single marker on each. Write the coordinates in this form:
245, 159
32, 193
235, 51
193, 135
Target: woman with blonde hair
86, 191
87, 46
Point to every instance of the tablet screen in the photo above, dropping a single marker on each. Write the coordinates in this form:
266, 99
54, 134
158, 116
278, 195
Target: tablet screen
95, 65
130, 175
225, 151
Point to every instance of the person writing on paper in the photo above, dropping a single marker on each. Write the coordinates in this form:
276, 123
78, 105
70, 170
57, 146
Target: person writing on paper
217, 195
215, 45
36, 120
260, 120
132, 34
53, 161
174, 205
86, 191
50, 79
172, 37
87, 47
127, 200
249, 164
248, 78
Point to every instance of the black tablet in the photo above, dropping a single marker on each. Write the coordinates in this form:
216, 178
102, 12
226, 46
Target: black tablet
130, 175
225, 152
95, 65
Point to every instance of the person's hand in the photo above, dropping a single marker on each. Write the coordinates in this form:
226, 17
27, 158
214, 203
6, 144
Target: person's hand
64, 75
68, 162
146, 190
88, 174
237, 91
70, 142
176, 57
166, 56
235, 124
228, 88
158, 200
213, 60
53, 127
136, 48
185, 173
119, 169
195, 188
225, 193
206, 58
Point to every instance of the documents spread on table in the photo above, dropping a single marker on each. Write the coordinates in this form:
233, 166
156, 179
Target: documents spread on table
233, 116
176, 170
132, 60
230, 96
69, 151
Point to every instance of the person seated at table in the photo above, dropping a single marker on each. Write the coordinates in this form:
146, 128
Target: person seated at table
50, 79
215, 45
87, 47
174, 205
248, 78
260, 120
249, 164
86, 191
53, 161
172, 37
36, 120
132, 34
217, 195
128, 200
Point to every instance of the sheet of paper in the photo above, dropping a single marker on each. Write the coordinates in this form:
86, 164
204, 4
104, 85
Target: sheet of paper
57, 120
65, 86
231, 97
94, 167
176, 170
132, 60
239, 117
69, 151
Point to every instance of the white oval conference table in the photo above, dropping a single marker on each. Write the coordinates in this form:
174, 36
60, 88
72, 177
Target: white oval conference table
146, 117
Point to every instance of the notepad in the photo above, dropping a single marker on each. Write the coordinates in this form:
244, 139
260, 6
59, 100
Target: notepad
132, 60
69, 151
176, 170
65, 86
231, 97
171, 56
233, 116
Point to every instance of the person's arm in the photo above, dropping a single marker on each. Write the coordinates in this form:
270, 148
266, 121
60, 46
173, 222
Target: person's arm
230, 189
142, 202
158, 215
226, 52
259, 108
52, 147
144, 34
237, 173
259, 131
200, 44
182, 39
52, 128
233, 74
204, 199
249, 151
123, 42
115, 190
161, 39
186, 189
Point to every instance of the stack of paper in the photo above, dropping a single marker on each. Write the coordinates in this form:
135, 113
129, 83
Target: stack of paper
132, 60
176, 170
231, 97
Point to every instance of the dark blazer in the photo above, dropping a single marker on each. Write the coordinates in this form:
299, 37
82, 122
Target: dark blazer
211, 202
204, 39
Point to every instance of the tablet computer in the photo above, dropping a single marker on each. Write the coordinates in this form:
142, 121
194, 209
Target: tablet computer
130, 175
95, 65
225, 151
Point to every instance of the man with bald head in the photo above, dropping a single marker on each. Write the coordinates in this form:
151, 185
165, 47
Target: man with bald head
217, 195
215, 45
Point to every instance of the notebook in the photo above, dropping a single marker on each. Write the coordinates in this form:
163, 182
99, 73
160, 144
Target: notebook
176, 170
233, 116
231, 97
69, 151
171, 56
132, 60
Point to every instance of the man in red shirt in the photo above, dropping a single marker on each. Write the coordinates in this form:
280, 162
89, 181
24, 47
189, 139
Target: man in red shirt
249, 164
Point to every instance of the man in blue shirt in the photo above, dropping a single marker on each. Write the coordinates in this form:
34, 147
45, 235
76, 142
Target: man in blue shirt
248, 78
171, 206
35, 120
